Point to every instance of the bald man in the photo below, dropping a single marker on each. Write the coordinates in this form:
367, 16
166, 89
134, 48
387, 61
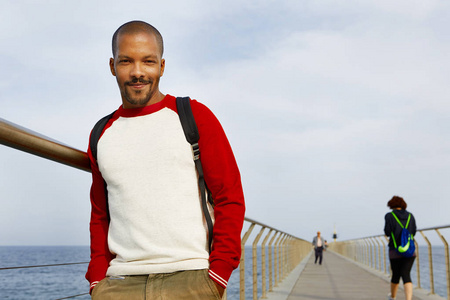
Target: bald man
148, 235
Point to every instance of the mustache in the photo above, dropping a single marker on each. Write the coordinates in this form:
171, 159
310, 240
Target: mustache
138, 80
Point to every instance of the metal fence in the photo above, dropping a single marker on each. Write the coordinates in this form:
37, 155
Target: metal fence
372, 251
285, 252
280, 251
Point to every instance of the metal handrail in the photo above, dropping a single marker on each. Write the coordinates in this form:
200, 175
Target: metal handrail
288, 251
20, 138
360, 250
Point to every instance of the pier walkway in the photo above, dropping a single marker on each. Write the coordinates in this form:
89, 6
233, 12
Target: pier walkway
337, 278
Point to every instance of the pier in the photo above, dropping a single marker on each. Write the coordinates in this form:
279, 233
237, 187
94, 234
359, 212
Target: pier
338, 278
285, 270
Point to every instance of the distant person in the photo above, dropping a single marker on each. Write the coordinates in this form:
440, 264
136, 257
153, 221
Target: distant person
400, 265
148, 234
319, 245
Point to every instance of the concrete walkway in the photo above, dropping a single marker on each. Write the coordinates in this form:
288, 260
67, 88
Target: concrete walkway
337, 278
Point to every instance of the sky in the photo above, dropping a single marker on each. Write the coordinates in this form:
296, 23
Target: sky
331, 107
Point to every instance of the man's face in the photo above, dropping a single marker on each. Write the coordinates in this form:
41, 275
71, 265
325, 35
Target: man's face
138, 66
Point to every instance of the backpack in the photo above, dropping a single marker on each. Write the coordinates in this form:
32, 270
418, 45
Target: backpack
407, 246
192, 136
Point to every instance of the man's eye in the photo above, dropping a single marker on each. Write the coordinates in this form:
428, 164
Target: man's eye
124, 61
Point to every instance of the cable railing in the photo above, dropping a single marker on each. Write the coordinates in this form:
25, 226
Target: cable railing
43, 266
279, 251
372, 251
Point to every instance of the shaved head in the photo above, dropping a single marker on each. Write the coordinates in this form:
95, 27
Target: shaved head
134, 27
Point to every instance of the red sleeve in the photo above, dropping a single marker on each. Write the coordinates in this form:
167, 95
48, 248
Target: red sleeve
99, 224
224, 181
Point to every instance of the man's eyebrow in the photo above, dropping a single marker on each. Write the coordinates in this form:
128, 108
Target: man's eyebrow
151, 56
123, 56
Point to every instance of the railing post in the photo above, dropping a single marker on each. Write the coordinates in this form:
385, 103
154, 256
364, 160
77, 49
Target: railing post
390, 268
289, 254
263, 265
242, 263
284, 257
384, 254
277, 258
280, 259
372, 253
271, 261
379, 253
354, 250
358, 250
367, 260
430, 262
255, 263
417, 263
447, 262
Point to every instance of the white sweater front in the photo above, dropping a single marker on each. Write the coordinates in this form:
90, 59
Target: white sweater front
156, 218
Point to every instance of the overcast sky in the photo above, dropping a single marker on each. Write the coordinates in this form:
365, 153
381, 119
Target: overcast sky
331, 107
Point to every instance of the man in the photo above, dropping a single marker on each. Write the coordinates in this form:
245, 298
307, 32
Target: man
319, 244
148, 237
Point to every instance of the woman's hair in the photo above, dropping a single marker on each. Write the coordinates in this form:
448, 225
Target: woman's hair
397, 202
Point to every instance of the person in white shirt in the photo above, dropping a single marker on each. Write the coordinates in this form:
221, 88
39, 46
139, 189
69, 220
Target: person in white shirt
319, 244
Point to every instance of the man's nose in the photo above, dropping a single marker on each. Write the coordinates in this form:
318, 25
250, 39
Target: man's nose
137, 70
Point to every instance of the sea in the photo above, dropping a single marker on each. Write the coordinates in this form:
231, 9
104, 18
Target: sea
66, 281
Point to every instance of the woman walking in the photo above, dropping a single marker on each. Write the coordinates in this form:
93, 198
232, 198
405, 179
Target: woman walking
401, 266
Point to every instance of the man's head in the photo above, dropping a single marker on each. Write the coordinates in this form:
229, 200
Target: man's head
318, 233
137, 63
134, 27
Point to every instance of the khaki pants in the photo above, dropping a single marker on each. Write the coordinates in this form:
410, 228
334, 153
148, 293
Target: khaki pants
181, 285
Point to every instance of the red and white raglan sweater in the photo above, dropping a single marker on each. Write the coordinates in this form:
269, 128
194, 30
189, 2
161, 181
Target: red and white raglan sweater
152, 221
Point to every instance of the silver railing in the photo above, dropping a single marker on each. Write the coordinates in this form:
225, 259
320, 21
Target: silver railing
372, 251
280, 251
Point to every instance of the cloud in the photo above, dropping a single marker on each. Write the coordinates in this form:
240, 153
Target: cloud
329, 106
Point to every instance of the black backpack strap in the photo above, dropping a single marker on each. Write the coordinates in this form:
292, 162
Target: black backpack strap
192, 136
97, 132
93, 141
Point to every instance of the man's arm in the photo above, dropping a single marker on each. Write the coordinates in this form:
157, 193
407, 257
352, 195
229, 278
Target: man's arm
99, 224
223, 179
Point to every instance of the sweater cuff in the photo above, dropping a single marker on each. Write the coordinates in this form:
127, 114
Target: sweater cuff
93, 284
220, 272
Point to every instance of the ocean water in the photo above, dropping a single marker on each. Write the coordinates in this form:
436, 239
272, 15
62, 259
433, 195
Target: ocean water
57, 282
47, 282
63, 281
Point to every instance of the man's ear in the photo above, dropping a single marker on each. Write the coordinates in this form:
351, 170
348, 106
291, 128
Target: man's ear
163, 67
111, 66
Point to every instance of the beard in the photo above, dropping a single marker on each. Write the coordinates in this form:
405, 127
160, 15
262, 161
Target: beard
141, 97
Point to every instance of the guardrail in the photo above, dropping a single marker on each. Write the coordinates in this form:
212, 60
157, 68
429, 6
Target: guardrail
285, 251
372, 251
